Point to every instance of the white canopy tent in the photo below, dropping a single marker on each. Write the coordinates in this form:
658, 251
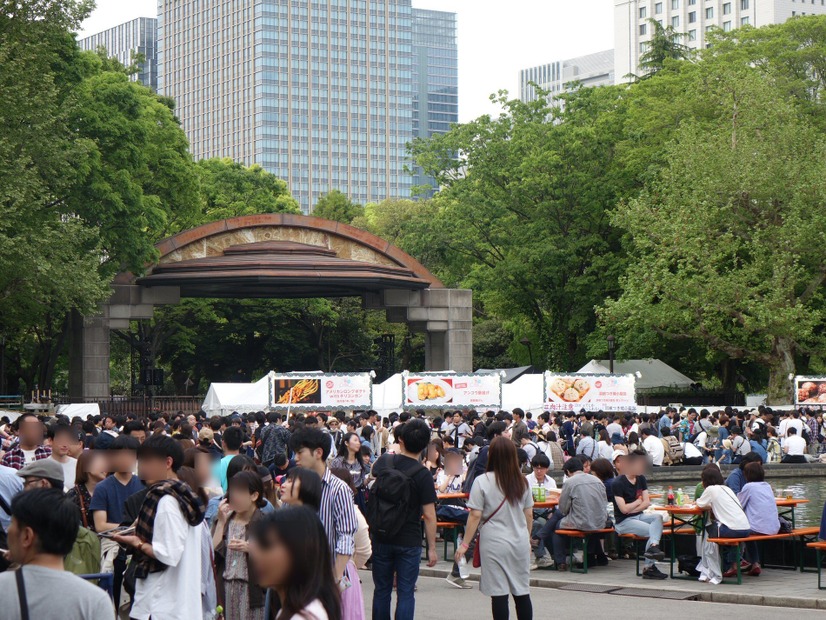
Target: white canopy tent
224, 398
82, 410
527, 392
389, 395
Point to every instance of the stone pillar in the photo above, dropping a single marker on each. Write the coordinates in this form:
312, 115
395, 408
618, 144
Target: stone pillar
89, 357
444, 315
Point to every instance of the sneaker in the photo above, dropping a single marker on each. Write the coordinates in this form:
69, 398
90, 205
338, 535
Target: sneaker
652, 572
544, 562
703, 578
715, 581
654, 553
754, 571
562, 568
732, 572
534, 566
458, 582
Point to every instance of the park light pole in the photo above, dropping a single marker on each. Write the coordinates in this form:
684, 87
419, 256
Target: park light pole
611, 343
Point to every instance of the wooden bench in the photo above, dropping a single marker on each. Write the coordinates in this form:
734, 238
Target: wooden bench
801, 533
453, 528
639, 548
820, 548
585, 536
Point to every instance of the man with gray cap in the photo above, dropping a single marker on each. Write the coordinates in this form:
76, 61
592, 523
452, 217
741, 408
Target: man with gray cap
43, 474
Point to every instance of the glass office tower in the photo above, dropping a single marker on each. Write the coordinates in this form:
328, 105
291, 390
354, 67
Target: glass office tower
319, 92
435, 79
124, 41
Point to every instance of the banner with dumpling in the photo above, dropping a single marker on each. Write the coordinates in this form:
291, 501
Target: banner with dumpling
591, 392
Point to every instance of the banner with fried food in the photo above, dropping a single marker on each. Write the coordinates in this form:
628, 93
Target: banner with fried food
810, 391
591, 392
321, 391
439, 391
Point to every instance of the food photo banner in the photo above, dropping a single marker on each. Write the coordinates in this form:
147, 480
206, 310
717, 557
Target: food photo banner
317, 391
591, 392
810, 391
446, 391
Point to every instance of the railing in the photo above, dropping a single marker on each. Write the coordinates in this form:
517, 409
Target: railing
122, 405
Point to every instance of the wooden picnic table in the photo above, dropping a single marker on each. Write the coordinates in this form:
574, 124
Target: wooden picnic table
550, 502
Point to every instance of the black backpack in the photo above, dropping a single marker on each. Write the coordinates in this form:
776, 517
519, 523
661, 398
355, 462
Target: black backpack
390, 502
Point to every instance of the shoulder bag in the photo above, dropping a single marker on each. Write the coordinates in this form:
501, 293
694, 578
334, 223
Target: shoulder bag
477, 558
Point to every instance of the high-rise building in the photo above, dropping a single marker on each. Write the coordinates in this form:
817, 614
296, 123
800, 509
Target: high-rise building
556, 77
694, 18
319, 92
124, 41
435, 78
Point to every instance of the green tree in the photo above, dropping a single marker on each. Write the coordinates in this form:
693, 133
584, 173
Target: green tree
230, 189
523, 214
337, 207
663, 46
727, 246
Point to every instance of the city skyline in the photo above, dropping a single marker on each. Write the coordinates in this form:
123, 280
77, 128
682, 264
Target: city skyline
526, 33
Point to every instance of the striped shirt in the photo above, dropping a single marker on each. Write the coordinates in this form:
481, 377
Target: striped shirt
338, 514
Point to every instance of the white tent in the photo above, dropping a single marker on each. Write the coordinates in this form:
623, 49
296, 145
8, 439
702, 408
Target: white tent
82, 410
389, 395
224, 398
527, 393
650, 373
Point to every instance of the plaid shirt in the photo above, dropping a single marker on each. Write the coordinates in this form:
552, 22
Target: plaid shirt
15, 458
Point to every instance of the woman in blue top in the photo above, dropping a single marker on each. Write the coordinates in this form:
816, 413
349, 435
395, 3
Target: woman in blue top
759, 445
757, 499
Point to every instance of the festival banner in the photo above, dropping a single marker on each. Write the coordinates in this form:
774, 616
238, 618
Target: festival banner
810, 390
313, 391
441, 391
591, 392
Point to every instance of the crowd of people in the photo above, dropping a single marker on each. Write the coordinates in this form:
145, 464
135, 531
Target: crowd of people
254, 516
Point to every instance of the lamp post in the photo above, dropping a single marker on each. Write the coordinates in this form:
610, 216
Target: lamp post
611, 341
527, 343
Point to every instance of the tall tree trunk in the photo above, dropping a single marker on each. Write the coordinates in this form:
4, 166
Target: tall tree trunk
780, 390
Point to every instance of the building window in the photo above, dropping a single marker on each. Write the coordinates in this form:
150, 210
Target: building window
675, 4
675, 21
726, 26
643, 29
643, 47
692, 2
692, 17
727, 8
744, 21
692, 35
710, 12
744, 5
658, 8
643, 12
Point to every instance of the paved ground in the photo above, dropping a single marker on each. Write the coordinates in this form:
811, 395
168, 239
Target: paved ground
436, 599
777, 588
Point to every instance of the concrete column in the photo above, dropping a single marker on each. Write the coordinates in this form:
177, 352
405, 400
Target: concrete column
444, 315
89, 357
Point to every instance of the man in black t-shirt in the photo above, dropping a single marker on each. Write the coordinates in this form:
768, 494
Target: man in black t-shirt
399, 556
630, 499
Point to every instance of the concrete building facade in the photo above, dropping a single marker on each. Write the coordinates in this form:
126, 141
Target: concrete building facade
556, 77
138, 36
319, 92
694, 18
435, 78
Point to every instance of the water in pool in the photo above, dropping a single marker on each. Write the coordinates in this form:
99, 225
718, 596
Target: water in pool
813, 489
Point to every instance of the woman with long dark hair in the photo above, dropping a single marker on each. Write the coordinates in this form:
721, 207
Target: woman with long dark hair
349, 458
501, 508
291, 555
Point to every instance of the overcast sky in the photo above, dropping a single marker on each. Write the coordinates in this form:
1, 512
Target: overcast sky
497, 38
